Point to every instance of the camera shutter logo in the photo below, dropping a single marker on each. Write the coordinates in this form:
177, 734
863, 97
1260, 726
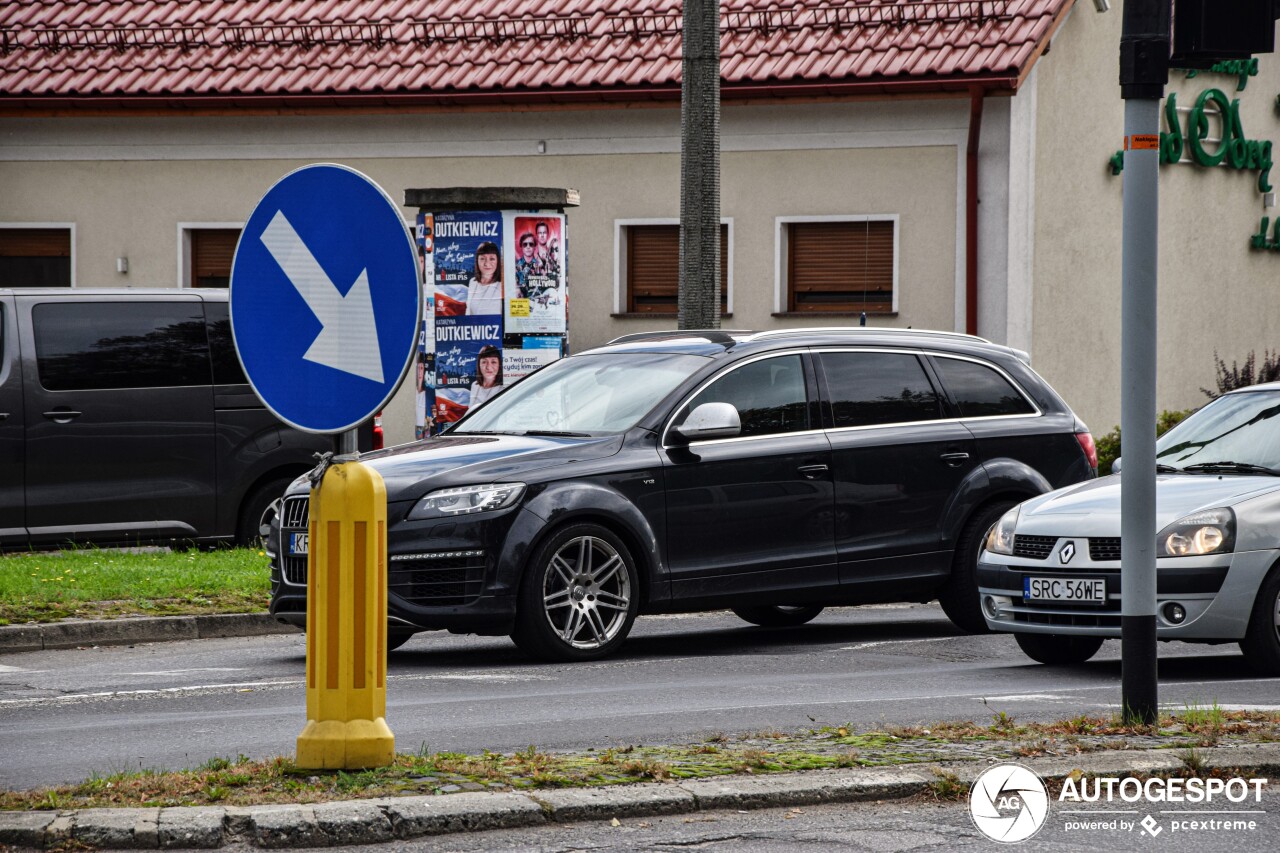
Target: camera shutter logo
1008, 803
1067, 553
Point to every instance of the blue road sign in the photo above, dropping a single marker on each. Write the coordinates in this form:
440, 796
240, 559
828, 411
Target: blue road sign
326, 299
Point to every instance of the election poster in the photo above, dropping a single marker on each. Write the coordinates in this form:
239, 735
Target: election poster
468, 362
535, 298
468, 263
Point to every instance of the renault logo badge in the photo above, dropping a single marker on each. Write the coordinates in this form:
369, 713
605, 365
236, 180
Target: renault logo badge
1068, 551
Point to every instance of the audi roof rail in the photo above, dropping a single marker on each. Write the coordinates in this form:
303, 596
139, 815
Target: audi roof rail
718, 336
863, 330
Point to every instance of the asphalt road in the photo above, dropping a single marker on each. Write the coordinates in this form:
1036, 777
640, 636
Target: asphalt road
65, 715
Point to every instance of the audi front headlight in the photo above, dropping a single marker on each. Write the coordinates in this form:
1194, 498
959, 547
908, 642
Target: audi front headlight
1209, 532
1000, 537
464, 500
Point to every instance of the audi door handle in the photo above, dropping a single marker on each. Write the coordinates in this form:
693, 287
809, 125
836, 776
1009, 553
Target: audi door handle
61, 416
954, 459
812, 472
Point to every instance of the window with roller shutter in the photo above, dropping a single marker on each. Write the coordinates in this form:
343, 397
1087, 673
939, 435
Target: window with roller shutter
653, 268
212, 251
35, 257
840, 267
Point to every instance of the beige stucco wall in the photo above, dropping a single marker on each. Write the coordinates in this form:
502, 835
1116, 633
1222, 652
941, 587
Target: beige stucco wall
1215, 293
132, 207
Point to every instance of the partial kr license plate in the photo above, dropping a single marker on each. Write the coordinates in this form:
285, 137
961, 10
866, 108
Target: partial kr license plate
1065, 590
298, 544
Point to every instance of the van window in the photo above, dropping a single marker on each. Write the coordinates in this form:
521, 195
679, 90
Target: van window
980, 391
226, 364
870, 388
99, 345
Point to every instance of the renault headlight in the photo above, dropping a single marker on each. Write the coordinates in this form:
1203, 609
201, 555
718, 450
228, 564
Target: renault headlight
1209, 532
1000, 537
464, 500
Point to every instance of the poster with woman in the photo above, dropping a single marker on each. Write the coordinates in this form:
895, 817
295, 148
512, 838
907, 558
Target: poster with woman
535, 298
468, 363
467, 257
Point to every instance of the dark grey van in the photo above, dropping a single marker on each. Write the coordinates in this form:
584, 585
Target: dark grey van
125, 417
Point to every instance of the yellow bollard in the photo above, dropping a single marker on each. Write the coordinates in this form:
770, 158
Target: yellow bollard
347, 623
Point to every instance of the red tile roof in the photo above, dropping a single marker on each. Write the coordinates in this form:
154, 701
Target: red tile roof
274, 52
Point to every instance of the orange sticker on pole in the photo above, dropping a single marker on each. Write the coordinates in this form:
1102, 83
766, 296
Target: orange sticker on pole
1142, 142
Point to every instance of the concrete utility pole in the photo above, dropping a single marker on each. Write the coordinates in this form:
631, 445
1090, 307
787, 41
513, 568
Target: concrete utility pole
1144, 71
699, 293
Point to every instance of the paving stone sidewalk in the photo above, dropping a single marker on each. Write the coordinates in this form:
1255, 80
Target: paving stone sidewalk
389, 819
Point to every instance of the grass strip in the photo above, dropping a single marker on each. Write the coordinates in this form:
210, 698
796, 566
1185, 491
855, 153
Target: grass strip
92, 583
244, 781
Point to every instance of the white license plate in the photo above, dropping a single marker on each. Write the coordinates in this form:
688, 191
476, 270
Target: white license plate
298, 544
1065, 590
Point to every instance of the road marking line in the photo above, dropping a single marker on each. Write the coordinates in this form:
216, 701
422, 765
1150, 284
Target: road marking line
873, 644
195, 669
500, 677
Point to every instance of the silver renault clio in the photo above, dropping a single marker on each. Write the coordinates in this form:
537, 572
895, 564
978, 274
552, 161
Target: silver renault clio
1050, 568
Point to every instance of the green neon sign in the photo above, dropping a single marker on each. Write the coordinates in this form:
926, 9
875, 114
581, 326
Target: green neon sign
1260, 241
1235, 150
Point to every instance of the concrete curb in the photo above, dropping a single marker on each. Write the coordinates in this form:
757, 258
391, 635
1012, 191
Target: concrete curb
365, 821
120, 632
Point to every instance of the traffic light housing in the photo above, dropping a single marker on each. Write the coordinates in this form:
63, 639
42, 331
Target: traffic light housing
1209, 31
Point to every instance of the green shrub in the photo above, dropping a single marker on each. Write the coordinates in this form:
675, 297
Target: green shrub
1109, 444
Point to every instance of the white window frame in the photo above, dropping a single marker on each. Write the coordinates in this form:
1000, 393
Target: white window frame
184, 246
69, 226
620, 258
780, 223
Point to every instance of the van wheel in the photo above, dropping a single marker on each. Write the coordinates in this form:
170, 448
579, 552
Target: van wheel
257, 512
1261, 643
959, 597
579, 596
1057, 649
778, 615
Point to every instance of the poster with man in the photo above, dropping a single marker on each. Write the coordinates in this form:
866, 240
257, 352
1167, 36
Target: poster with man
535, 297
468, 364
467, 256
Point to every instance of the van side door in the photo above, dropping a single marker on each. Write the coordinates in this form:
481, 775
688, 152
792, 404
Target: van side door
13, 528
119, 416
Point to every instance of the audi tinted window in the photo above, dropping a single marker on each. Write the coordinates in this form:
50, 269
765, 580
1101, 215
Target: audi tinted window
980, 391
768, 394
97, 345
869, 388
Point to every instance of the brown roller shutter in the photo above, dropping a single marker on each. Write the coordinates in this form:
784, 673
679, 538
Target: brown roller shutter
35, 243
840, 267
653, 269
212, 250
35, 257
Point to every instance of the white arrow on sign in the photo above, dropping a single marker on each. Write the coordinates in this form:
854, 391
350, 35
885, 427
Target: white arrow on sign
348, 339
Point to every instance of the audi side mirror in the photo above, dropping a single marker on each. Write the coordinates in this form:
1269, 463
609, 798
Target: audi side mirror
1115, 466
710, 420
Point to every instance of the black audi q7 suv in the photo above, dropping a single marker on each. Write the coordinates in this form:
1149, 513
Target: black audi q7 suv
774, 473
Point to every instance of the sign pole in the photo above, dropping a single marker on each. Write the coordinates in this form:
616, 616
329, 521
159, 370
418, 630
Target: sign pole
1144, 70
326, 304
